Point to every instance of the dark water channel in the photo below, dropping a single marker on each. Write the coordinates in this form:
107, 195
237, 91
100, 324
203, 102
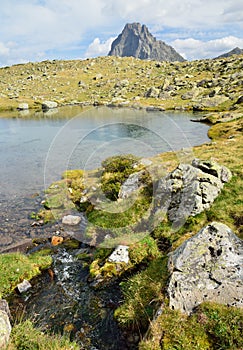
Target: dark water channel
34, 150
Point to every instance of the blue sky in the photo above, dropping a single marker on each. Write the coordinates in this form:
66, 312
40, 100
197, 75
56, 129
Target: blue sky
35, 30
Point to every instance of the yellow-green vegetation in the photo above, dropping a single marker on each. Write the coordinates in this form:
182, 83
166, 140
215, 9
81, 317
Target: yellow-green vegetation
211, 327
62, 195
124, 81
143, 293
25, 336
15, 267
116, 170
208, 85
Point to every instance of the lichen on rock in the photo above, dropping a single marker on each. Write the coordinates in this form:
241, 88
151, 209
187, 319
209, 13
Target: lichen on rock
207, 267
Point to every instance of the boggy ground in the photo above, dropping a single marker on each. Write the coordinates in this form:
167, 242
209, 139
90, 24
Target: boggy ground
212, 326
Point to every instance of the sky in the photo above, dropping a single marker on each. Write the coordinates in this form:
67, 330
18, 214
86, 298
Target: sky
36, 30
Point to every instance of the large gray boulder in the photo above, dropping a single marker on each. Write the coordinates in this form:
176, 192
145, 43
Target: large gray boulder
5, 326
189, 190
207, 267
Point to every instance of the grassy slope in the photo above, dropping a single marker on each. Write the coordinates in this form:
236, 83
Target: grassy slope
105, 79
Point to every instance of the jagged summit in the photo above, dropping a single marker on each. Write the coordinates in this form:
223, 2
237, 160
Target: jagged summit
136, 40
235, 51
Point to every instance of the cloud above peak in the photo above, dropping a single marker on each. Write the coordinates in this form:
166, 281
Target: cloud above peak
78, 28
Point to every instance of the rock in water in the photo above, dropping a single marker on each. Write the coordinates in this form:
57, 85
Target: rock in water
5, 326
135, 40
207, 267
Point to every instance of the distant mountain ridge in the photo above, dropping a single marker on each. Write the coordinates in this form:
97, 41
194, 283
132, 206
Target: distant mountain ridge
235, 51
136, 41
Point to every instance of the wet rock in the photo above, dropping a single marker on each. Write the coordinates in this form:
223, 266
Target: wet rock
5, 326
23, 286
207, 267
48, 105
120, 255
190, 189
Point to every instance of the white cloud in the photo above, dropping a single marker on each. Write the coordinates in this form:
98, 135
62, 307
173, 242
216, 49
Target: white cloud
98, 48
65, 28
194, 49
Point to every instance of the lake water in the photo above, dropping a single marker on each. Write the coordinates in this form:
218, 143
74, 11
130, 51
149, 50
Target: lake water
36, 148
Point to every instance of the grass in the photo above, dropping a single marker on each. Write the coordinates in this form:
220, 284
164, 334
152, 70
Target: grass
211, 327
25, 336
15, 267
59, 81
142, 295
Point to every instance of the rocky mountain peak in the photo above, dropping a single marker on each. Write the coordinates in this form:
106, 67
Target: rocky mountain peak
136, 40
235, 51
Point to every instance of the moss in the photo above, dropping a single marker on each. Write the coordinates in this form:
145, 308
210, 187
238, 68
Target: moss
116, 170
144, 250
16, 267
211, 327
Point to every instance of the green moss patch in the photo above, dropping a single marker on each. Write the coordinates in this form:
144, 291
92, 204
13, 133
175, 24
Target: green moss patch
15, 267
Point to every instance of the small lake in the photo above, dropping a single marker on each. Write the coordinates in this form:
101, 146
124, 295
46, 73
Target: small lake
35, 148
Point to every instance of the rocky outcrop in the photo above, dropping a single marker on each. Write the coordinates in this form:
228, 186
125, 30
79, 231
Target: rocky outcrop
207, 267
189, 190
135, 40
5, 326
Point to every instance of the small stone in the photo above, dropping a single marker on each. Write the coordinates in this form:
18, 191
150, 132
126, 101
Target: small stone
71, 220
119, 255
23, 106
23, 286
56, 240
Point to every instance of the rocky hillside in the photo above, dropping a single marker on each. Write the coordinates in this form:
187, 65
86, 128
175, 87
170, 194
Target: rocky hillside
136, 41
125, 81
235, 51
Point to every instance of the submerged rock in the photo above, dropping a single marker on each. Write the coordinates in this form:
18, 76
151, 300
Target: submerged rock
5, 326
207, 267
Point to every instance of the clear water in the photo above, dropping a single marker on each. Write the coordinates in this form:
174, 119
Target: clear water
35, 150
